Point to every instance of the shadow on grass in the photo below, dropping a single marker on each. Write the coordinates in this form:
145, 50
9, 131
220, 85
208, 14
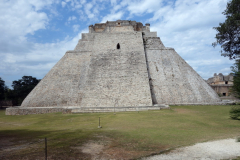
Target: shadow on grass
55, 139
2, 108
29, 144
30, 134
22, 133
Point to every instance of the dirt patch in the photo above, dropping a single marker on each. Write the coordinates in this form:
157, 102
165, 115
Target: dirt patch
6, 143
92, 148
122, 153
14, 149
11, 148
101, 147
116, 149
106, 148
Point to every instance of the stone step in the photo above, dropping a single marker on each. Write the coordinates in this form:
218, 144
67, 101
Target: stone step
91, 110
117, 109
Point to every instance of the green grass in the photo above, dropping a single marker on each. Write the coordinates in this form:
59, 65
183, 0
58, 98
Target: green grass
144, 132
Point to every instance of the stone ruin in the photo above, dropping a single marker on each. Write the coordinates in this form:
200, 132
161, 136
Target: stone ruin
221, 84
118, 66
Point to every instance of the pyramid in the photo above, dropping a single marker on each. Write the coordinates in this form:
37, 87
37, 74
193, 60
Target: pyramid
121, 65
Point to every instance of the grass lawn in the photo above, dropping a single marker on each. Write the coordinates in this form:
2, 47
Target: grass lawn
126, 135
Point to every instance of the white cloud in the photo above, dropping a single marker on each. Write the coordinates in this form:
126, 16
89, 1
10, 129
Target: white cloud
91, 11
112, 17
63, 4
113, 2
189, 30
88, 7
16, 23
76, 27
38, 5
19, 22
187, 26
187, 14
38, 60
73, 4
78, 6
144, 6
83, 1
72, 18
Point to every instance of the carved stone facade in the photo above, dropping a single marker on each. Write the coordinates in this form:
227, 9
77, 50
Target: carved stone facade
221, 84
120, 64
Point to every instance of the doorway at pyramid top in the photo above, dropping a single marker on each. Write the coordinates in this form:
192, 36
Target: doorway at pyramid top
118, 46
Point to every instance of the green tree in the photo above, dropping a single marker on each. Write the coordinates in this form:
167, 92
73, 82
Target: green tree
236, 78
22, 88
3, 89
228, 32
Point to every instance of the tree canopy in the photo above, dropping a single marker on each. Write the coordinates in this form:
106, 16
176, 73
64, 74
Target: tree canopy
236, 79
22, 87
3, 89
228, 32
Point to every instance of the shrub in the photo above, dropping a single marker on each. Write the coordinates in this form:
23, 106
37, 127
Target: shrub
235, 112
238, 139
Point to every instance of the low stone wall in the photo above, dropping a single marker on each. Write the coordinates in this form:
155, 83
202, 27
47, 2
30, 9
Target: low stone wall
65, 110
35, 110
119, 109
201, 104
73, 109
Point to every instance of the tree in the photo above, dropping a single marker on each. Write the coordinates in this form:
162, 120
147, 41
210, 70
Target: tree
3, 89
23, 87
236, 78
228, 32
235, 111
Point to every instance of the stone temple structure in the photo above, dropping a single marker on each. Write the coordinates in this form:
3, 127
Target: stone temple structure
221, 84
121, 66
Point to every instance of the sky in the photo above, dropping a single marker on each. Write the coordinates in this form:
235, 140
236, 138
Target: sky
35, 34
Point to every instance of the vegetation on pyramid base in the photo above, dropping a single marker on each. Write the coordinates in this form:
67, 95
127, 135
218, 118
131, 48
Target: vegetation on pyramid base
236, 78
235, 112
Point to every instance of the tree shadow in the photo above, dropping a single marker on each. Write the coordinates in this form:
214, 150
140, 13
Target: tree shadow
30, 144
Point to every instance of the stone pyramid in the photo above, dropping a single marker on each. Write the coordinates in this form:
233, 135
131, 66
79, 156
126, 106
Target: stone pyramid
118, 64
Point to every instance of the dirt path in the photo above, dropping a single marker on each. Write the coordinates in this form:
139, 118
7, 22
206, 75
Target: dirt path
221, 149
106, 148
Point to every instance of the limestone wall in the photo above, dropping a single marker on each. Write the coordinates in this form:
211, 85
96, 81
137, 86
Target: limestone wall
119, 64
97, 74
63, 85
117, 77
173, 81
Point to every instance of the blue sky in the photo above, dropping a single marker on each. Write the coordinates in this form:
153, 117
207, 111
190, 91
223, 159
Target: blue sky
36, 34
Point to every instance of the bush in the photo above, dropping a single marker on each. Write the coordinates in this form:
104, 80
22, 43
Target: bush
238, 139
235, 112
